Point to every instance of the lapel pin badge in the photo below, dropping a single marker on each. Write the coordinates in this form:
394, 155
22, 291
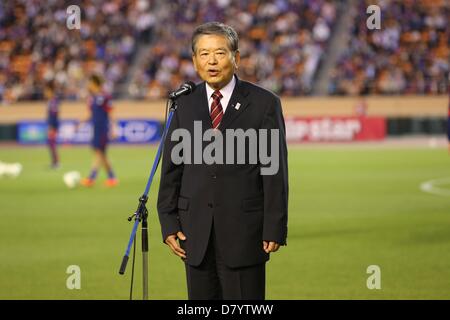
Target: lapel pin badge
237, 106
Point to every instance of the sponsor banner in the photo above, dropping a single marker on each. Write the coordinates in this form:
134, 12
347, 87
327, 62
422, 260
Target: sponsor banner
123, 131
32, 132
335, 129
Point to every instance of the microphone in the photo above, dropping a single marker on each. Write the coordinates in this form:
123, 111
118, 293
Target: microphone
185, 89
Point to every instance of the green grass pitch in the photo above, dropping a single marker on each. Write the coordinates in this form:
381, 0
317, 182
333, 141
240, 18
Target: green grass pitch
349, 208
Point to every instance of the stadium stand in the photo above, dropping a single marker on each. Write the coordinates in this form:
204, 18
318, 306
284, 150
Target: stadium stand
143, 46
281, 43
36, 45
409, 55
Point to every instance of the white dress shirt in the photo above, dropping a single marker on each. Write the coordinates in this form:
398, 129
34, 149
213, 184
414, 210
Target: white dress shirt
226, 92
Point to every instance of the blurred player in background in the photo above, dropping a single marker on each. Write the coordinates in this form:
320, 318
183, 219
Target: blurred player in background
54, 102
100, 109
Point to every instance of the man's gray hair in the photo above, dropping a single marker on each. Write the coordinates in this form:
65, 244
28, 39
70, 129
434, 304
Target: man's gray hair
217, 28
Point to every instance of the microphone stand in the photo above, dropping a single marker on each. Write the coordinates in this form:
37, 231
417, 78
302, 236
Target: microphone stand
141, 214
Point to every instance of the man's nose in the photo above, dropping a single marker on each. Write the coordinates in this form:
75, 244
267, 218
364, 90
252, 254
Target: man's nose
212, 60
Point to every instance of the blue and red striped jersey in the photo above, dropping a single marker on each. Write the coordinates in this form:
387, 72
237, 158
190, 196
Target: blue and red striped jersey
100, 106
53, 111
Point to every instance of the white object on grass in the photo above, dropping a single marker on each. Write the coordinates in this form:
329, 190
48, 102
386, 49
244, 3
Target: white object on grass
11, 170
72, 179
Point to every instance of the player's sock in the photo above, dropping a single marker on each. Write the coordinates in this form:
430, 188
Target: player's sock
93, 174
111, 174
54, 155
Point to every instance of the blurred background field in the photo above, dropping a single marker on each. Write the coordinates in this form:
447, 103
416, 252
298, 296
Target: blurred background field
349, 208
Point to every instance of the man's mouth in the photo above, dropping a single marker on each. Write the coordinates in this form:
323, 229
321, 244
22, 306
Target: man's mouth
213, 72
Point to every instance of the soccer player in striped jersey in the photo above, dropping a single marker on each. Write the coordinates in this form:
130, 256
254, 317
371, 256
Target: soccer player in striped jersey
448, 121
100, 110
54, 102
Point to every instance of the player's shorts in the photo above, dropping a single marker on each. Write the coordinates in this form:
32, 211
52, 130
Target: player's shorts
52, 133
100, 141
53, 124
448, 129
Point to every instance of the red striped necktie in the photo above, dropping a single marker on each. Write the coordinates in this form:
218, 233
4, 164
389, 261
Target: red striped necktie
216, 109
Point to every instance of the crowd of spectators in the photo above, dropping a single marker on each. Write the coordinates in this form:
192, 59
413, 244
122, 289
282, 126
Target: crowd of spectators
408, 55
36, 45
281, 43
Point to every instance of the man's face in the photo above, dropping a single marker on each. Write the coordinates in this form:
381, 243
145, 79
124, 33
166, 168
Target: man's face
214, 61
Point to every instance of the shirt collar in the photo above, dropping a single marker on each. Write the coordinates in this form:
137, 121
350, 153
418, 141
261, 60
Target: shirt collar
225, 91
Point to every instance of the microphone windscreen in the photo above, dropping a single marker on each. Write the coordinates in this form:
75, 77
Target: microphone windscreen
191, 85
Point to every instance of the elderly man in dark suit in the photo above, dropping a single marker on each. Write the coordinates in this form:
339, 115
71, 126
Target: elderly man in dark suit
224, 219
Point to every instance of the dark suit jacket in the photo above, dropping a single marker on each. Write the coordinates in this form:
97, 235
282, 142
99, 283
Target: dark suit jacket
244, 206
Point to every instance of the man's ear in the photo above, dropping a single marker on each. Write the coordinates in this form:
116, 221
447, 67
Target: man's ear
237, 59
194, 62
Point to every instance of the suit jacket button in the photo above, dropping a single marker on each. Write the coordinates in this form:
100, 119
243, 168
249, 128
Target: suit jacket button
210, 205
213, 176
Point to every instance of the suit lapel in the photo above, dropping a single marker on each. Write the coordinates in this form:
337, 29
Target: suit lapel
202, 109
236, 106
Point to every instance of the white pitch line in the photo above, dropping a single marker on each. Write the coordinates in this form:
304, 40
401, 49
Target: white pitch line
432, 187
